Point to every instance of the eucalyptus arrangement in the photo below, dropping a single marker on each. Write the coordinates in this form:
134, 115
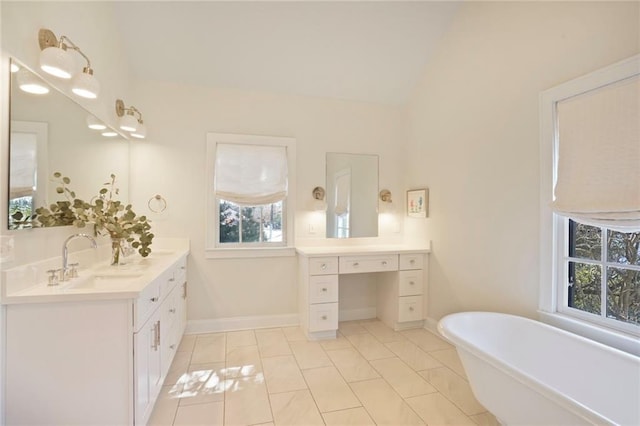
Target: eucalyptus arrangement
107, 215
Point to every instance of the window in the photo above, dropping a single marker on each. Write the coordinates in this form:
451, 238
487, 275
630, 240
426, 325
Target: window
250, 195
602, 274
590, 205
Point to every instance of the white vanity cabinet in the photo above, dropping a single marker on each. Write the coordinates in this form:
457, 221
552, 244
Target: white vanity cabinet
401, 287
156, 340
94, 358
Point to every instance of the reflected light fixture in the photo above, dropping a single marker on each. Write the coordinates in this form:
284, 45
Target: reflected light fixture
109, 134
94, 123
128, 120
56, 60
14, 67
31, 83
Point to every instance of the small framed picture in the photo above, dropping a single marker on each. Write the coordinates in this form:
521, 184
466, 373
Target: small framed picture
418, 202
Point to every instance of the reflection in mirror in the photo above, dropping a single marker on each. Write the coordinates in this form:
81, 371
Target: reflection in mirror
49, 133
352, 195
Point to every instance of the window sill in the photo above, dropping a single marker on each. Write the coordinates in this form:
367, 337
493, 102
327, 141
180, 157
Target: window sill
616, 339
244, 253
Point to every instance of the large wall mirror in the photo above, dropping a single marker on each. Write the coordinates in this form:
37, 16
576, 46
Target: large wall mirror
49, 133
352, 195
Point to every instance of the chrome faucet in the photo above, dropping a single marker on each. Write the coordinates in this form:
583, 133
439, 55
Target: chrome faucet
65, 253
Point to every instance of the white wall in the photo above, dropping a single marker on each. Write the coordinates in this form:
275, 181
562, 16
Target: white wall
171, 162
474, 137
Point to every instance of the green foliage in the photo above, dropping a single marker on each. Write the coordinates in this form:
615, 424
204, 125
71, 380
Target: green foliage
107, 215
623, 284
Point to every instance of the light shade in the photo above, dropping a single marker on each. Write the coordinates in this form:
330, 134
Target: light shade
57, 62
94, 123
140, 132
30, 83
85, 84
128, 122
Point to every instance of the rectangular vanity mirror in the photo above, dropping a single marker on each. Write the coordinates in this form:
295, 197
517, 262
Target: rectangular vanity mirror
352, 195
49, 132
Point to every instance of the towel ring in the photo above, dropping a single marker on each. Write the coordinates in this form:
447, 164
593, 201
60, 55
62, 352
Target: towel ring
160, 203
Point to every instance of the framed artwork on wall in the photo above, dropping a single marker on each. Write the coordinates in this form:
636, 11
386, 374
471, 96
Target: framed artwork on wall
418, 202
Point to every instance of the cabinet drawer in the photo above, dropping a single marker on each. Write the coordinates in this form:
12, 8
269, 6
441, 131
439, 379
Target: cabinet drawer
359, 264
411, 261
323, 316
167, 283
409, 308
180, 272
323, 265
410, 283
323, 288
146, 303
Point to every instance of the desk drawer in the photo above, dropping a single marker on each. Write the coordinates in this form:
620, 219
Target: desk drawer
323, 265
410, 308
323, 288
323, 316
360, 264
411, 261
410, 283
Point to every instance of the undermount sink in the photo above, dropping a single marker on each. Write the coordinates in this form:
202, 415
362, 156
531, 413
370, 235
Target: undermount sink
102, 281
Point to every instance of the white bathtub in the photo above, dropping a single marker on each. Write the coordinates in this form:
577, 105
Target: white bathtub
526, 372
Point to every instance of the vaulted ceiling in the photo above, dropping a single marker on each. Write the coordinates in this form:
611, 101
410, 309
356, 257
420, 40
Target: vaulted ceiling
366, 51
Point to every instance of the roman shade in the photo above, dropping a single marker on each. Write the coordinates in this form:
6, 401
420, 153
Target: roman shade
598, 162
250, 175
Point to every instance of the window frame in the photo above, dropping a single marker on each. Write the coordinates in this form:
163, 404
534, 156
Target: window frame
554, 232
213, 249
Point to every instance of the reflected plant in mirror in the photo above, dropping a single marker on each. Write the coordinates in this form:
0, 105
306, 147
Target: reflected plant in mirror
107, 215
352, 195
50, 131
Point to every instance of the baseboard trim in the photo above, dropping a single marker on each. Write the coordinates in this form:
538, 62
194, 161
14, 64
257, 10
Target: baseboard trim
356, 314
431, 325
240, 323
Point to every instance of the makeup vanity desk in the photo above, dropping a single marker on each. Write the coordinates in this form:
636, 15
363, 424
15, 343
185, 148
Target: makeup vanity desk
401, 298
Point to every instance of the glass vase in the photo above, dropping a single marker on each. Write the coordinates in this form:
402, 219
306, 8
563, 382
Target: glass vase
116, 251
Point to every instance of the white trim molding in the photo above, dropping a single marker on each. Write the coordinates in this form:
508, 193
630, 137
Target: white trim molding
219, 325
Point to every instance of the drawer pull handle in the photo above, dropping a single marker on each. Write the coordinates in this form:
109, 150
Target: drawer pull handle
412, 283
324, 289
171, 280
172, 347
154, 299
324, 317
412, 261
323, 266
356, 264
411, 308
384, 263
172, 310
183, 267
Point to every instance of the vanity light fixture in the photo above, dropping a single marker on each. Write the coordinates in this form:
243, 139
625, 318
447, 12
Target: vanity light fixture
56, 60
109, 134
385, 196
128, 120
30, 83
318, 194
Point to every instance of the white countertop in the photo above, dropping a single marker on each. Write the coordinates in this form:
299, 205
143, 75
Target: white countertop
124, 281
359, 250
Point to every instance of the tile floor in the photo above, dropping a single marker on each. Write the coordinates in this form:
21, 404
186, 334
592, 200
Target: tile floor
369, 375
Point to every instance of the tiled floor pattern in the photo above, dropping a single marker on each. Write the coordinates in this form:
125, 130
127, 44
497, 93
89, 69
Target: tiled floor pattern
369, 375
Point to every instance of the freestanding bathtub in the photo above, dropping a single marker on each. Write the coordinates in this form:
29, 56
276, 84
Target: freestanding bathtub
529, 373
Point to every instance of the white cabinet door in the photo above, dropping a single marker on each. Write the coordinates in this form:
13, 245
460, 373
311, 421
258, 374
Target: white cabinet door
147, 367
